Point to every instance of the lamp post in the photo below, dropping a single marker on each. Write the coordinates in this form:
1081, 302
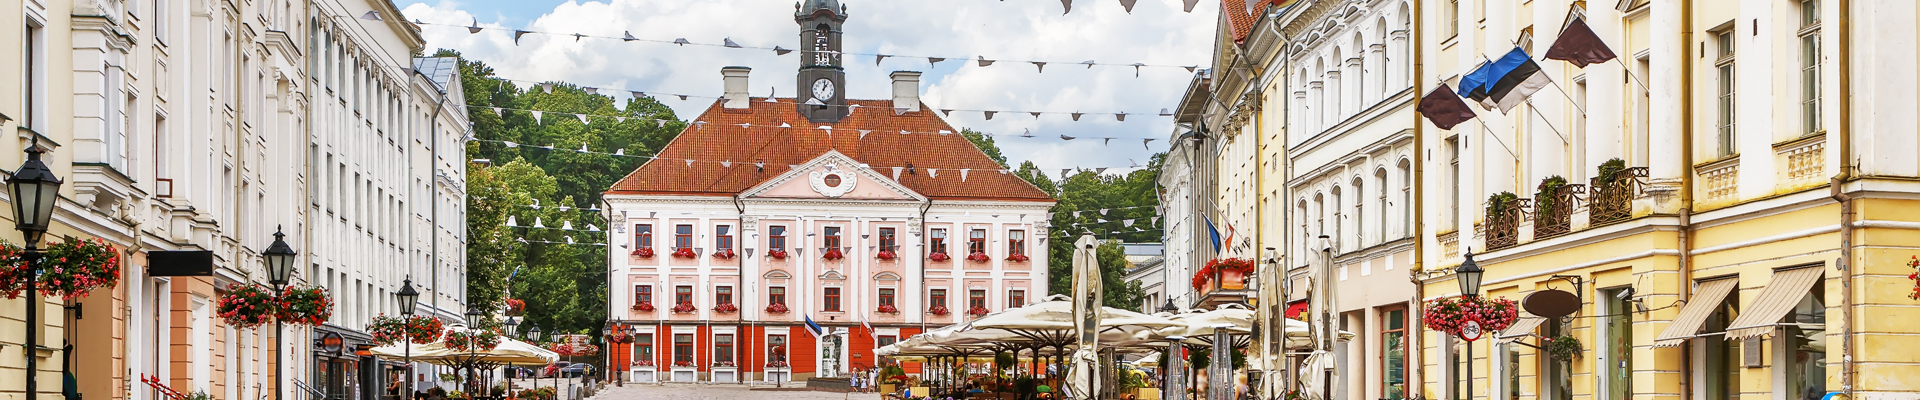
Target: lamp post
34, 190
606, 337
536, 336
474, 318
279, 258
511, 324
1468, 275
408, 298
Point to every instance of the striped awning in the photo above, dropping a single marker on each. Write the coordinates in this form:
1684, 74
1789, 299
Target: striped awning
1779, 298
1520, 329
1706, 299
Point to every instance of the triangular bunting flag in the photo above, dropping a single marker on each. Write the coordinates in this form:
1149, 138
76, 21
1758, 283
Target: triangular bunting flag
681, 41
1145, 142
1089, 63
1103, 211
933, 173
1100, 170
1036, 114
989, 115
537, 115
932, 60
1120, 116
689, 162
1165, 113
516, 36
546, 87
729, 43
780, 51
497, 112
583, 118
629, 36
963, 174
878, 57
863, 133
1136, 67
1076, 116
1068, 4
1065, 137
475, 28
985, 62
1127, 222
896, 173
1041, 66
727, 164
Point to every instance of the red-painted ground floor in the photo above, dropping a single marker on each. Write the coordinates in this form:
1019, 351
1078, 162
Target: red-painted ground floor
733, 352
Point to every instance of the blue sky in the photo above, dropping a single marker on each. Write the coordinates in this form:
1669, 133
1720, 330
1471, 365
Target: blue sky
1156, 33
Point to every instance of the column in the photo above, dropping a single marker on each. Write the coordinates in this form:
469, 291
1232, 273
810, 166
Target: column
1666, 131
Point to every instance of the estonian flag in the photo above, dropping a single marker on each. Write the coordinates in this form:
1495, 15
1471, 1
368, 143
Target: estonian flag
1511, 79
814, 328
1213, 233
1444, 108
1579, 45
1473, 86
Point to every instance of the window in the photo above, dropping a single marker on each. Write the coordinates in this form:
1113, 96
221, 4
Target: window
643, 236
1558, 372
776, 347
886, 340
1453, 180
937, 298
1722, 371
683, 295
1017, 242
723, 295
886, 296
1380, 178
33, 73
1016, 298
1619, 345
1393, 361
1359, 213
977, 241
976, 299
777, 237
723, 348
1453, 18
938, 243
723, 238
160, 22
886, 239
1810, 66
1723, 66
833, 238
1805, 358
777, 295
833, 299
643, 294
682, 237
1406, 197
683, 349
643, 346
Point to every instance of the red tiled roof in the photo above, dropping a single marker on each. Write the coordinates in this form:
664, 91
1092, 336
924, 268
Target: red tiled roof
722, 138
1242, 22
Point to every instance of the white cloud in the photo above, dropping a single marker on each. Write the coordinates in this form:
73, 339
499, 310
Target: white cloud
1157, 32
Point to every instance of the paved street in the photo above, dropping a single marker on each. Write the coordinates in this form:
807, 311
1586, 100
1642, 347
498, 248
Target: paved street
689, 392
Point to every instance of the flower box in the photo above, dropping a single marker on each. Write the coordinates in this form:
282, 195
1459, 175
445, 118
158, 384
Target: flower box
723, 364
684, 252
977, 311
643, 307
1232, 271
940, 256
978, 257
886, 255
726, 308
777, 308
683, 364
1018, 258
643, 363
643, 252
685, 308
939, 310
777, 254
724, 254
889, 309
832, 254
777, 364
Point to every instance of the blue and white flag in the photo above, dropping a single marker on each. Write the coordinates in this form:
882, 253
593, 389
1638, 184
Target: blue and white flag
814, 328
1213, 233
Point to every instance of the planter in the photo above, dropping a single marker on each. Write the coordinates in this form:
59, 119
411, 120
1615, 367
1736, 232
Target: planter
886, 388
1233, 279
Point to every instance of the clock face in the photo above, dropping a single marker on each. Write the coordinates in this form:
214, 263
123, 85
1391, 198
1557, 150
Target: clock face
823, 89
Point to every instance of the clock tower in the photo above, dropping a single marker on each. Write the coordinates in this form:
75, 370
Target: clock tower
821, 95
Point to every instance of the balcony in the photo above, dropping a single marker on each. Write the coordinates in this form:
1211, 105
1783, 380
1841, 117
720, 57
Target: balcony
1225, 286
1503, 228
1554, 217
1612, 199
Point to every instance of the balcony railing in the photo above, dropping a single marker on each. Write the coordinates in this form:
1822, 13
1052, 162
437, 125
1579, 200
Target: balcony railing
1612, 200
1503, 229
1556, 217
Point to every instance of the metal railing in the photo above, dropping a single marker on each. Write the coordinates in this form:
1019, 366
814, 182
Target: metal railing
1503, 228
1611, 200
1555, 217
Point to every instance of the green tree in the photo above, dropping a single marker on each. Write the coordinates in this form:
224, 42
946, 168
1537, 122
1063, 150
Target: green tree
985, 143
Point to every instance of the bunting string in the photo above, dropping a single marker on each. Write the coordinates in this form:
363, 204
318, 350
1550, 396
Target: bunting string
931, 172
548, 86
540, 117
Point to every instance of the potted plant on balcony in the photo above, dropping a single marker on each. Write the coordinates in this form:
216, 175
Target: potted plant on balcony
1503, 226
977, 311
888, 309
1543, 197
645, 306
885, 255
777, 254
777, 308
684, 252
939, 256
643, 252
304, 306
246, 306
724, 254
726, 308
978, 257
939, 310
832, 254
685, 307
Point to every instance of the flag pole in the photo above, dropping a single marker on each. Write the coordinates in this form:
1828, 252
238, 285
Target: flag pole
1495, 137
1543, 118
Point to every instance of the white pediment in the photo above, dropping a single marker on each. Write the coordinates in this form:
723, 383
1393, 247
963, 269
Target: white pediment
832, 176
832, 275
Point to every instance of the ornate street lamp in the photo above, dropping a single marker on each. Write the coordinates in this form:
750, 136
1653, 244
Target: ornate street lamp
408, 299
1469, 274
475, 317
34, 190
279, 258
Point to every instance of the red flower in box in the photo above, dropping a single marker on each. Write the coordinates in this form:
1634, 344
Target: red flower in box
643, 363
777, 364
1205, 274
516, 307
686, 364
644, 252
726, 308
832, 254
304, 306
939, 310
777, 308
619, 337
723, 364
471, 340
684, 252
777, 254
1018, 258
684, 308
1915, 277
70, 268
724, 253
424, 329
387, 330
246, 306
978, 257
888, 308
885, 255
643, 307
977, 311
940, 256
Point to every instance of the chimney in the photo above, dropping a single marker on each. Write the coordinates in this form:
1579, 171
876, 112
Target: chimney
736, 87
906, 91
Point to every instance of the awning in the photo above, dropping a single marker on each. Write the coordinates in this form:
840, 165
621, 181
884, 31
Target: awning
1704, 302
1779, 298
1520, 329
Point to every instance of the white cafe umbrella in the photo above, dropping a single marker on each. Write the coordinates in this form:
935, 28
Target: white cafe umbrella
1086, 312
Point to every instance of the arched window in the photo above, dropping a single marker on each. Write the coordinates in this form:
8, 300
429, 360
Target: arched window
1303, 215
1406, 195
1359, 213
1382, 61
1316, 93
1400, 48
1338, 221
1334, 90
1319, 214
1380, 185
1358, 70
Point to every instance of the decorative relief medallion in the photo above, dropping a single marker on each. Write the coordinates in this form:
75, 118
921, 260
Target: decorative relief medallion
832, 182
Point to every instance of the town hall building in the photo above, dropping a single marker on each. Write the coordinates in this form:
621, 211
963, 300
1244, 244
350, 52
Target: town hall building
765, 213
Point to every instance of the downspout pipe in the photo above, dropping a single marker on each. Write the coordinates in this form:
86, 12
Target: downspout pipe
1844, 57
1685, 231
928, 205
1414, 309
740, 276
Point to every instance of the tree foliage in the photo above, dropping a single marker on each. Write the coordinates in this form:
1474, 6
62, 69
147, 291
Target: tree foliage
1089, 191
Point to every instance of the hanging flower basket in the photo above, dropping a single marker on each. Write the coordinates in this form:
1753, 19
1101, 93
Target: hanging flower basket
516, 307
886, 255
777, 254
978, 257
1018, 258
724, 253
939, 310
246, 306
1447, 314
561, 349
777, 308
424, 329
643, 307
726, 308
305, 306
888, 308
643, 252
684, 252
471, 340
1562, 348
977, 311
940, 256
74, 267
387, 330
684, 308
1915, 277
1239, 266
620, 337
832, 254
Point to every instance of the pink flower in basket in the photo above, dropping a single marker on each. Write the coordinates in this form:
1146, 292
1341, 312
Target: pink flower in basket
978, 257
940, 256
